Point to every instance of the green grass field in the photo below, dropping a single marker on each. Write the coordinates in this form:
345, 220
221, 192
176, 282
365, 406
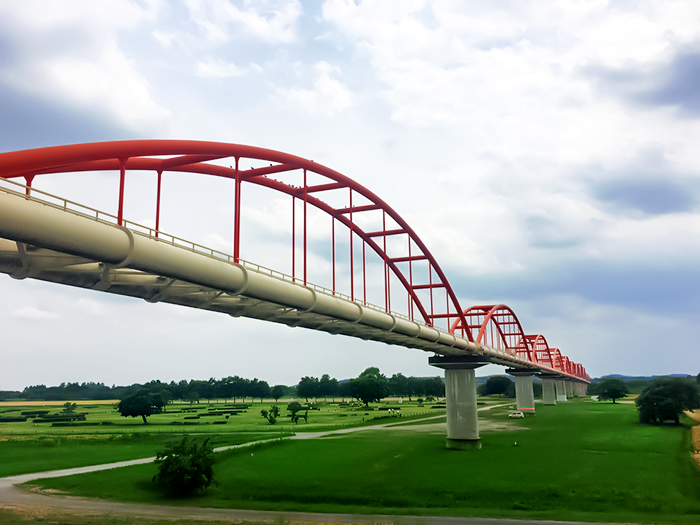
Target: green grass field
26, 454
205, 418
576, 461
31, 447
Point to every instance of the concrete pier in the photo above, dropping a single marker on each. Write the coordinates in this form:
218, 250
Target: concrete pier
524, 393
549, 394
460, 397
582, 388
561, 390
570, 389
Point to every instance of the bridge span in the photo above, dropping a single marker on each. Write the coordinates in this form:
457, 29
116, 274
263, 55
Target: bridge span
46, 237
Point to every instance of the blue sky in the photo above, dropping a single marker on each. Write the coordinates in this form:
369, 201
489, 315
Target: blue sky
546, 152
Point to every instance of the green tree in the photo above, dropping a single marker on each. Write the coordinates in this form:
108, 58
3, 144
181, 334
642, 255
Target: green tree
277, 391
665, 399
308, 387
69, 408
271, 415
327, 386
398, 385
295, 407
434, 386
498, 385
239, 387
415, 387
537, 389
370, 386
192, 396
141, 403
185, 467
259, 389
611, 388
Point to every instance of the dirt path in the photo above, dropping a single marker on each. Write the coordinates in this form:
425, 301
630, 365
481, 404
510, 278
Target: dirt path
695, 434
35, 504
694, 415
696, 443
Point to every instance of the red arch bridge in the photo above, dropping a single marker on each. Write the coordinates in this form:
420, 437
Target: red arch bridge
374, 277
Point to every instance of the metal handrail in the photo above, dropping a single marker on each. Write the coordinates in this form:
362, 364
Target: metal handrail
107, 218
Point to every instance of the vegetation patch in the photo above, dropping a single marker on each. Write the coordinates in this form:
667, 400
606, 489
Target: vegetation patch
577, 461
24, 454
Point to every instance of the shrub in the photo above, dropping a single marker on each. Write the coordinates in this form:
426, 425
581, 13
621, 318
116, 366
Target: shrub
185, 467
665, 399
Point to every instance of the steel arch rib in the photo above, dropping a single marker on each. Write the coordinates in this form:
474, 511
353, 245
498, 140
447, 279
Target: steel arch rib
189, 156
537, 344
490, 313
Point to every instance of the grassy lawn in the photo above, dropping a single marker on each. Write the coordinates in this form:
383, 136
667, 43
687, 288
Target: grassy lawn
214, 417
21, 455
575, 461
32, 446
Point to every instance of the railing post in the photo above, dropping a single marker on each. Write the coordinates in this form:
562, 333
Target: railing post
29, 179
237, 215
305, 245
122, 177
352, 256
160, 173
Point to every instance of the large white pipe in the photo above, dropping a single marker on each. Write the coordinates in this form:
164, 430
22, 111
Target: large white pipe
34, 223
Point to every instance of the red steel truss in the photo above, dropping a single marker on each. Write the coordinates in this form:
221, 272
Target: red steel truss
498, 327
429, 296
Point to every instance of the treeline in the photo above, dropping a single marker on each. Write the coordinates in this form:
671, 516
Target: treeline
232, 387
505, 386
239, 388
397, 385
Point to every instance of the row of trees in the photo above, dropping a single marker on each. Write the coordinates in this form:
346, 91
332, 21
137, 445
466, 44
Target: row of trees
370, 384
232, 387
239, 388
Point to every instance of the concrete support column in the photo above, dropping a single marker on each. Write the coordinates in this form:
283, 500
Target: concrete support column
549, 395
582, 387
524, 393
460, 397
570, 389
561, 390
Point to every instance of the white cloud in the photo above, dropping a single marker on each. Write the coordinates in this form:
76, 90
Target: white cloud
74, 58
91, 306
328, 97
32, 313
273, 22
212, 68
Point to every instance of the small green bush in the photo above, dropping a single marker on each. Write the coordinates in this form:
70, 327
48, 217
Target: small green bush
185, 467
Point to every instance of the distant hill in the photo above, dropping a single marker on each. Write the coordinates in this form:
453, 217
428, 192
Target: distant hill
640, 378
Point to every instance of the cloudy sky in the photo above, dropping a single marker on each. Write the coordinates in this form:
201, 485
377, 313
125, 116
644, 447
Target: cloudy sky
546, 152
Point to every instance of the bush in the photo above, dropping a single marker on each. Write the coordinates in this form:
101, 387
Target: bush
665, 399
185, 467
